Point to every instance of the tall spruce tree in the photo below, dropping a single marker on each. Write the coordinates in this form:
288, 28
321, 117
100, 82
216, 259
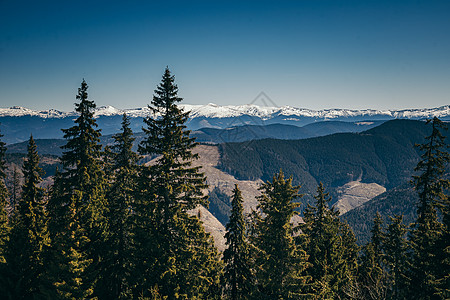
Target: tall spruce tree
443, 243
427, 231
15, 193
117, 267
372, 278
443, 281
77, 205
238, 279
396, 249
67, 260
177, 257
280, 262
4, 224
29, 236
331, 248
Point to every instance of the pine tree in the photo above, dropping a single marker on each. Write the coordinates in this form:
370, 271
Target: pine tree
77, 205
396, 248
377, 238
237, 274
177, 257
29, 236
69, 262
280, 262
371, 274
349, 259
428, 230
116, 267
4, 224
443, 281
330, 246
16, 190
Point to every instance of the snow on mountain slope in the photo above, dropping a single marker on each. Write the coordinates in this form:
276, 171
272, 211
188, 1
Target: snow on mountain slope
228, 111
19, 111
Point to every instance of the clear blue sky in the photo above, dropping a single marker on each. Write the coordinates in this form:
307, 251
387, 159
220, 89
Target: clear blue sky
314, 54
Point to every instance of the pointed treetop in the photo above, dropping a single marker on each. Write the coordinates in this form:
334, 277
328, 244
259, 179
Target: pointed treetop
166, 92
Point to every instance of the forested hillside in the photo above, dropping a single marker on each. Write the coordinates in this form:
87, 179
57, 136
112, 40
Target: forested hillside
401, 200
109, 227
279, 131
385, 155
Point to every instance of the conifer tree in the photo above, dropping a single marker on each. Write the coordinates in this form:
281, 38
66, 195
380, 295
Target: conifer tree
330, 247
428, 230
443, 281
29, 236
4, 224
177, 257
377, 238
77, 205
66, 258
443, 243
371, 274
237, 273
349, 258
15, 195
395, 248
116, 267
280, 262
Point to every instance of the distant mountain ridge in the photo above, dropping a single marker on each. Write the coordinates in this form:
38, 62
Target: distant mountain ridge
218, 136
226, 111
17, 123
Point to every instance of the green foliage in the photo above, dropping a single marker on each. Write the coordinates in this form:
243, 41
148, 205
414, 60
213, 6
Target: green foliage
238, 278
174, 253
77, 207
280, 263
428, 230
384, 155
116, 267
68, 261
48, 163
443, 287
398, 201
372, 277
115, 230
4, 226
330, 246
28, 237
15, 192
4, 222
396, 252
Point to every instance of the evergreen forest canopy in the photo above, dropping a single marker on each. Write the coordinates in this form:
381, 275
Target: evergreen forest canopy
110, 228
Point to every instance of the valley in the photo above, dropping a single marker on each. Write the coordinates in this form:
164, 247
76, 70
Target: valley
356, 168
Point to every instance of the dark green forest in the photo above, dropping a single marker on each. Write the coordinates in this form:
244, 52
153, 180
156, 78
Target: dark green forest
385, 155
111, 227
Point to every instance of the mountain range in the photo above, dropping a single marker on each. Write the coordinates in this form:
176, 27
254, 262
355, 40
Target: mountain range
365, 164
17, 123
217, 136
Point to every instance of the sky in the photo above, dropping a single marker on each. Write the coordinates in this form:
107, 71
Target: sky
311, 54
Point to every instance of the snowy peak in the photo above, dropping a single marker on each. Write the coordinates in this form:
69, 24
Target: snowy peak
212, 110
107, 111
264, 112
17, 123
19, 111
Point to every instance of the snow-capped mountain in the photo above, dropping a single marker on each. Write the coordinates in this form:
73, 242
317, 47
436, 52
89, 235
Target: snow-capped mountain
17, 123
212, 110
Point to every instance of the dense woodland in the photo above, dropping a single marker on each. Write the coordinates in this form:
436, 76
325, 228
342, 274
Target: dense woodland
112, 228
